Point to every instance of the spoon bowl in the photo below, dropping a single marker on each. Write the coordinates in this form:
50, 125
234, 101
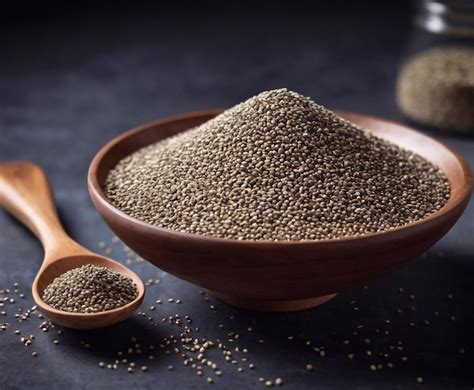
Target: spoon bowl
84, 320
26, 193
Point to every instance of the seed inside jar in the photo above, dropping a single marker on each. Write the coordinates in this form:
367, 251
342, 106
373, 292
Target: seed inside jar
436, 87
276, 167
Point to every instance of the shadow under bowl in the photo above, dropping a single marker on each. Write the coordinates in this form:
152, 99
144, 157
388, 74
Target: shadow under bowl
280, 275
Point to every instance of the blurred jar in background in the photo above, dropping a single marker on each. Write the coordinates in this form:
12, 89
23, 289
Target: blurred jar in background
435, 86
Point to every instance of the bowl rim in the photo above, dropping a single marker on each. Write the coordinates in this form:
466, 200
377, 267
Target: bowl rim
97, 194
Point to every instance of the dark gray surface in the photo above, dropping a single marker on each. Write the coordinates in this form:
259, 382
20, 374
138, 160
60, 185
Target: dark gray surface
70, 82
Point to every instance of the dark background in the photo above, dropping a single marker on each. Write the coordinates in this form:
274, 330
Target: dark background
74, 76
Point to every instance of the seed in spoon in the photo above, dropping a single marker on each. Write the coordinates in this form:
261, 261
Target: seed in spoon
90, 289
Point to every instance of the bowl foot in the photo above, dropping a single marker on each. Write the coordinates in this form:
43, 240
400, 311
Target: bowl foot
271, 305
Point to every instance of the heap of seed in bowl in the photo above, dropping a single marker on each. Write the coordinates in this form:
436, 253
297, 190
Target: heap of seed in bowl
276, 167
90, 289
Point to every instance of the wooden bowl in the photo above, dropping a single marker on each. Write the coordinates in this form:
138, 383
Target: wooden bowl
283, 275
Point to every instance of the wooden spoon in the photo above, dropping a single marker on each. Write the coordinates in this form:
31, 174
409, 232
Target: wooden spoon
25, 192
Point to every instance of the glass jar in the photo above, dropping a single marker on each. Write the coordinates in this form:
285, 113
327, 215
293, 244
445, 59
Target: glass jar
435, 86
447, 17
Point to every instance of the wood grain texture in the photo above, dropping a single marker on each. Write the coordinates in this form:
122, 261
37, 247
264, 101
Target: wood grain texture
267, 275
26, 193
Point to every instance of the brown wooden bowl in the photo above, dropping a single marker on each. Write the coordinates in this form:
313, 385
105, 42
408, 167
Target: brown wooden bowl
283, 275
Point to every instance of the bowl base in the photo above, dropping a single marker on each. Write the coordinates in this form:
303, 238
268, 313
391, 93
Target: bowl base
271, 305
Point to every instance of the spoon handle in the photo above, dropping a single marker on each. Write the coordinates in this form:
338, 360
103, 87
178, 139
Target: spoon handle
26, 193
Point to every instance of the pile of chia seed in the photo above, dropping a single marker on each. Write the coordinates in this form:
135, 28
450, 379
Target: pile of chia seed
90, 289
276, 167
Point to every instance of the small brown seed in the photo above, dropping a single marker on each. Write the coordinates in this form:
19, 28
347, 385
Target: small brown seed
282, 168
